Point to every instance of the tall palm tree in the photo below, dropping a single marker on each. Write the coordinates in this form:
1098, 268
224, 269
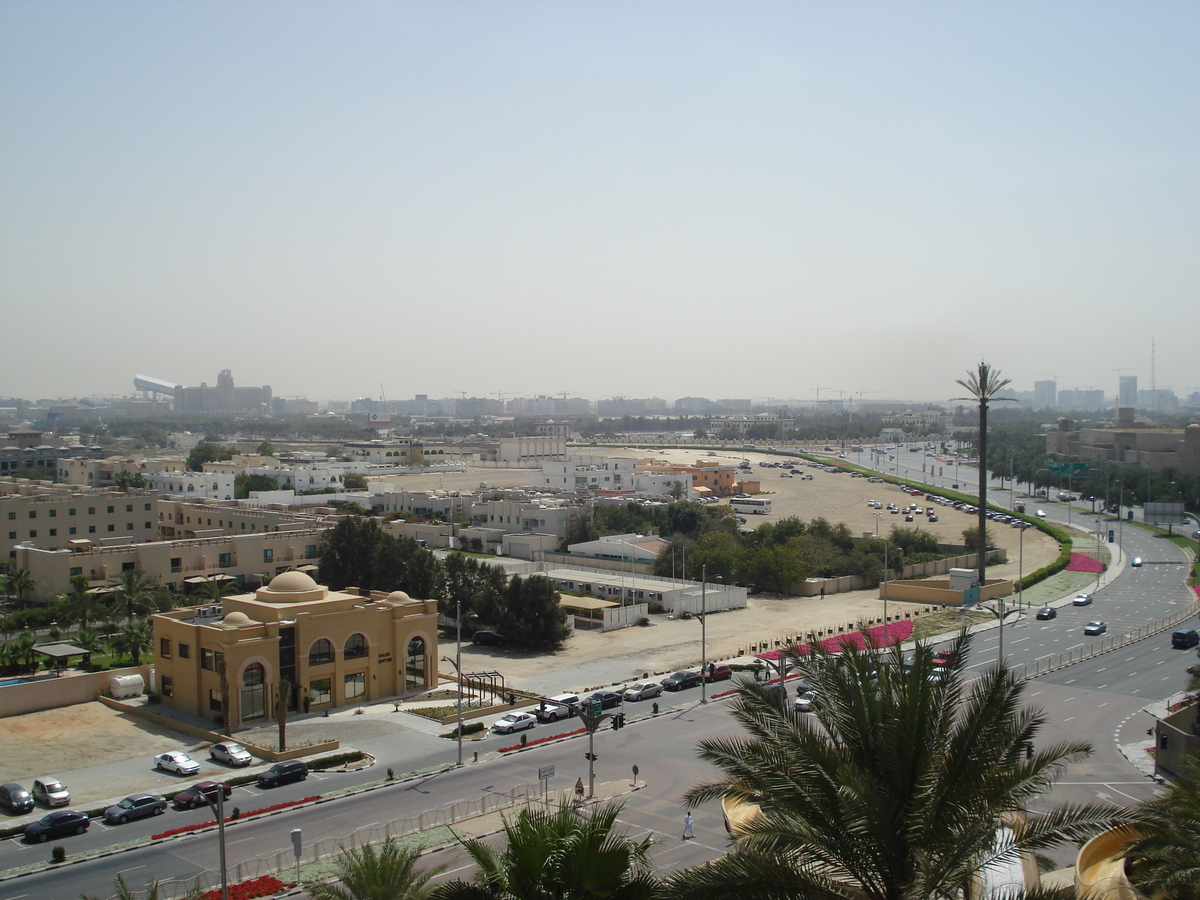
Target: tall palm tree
556, 854
135, 639
984, 386
1164, 861
895, 788
19, 582
136, 593
386, 872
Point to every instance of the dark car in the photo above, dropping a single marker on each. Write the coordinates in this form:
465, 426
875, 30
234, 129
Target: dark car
135, 806
488, 639
681, 680
283, 773
1180, 640
1047, 612
714, 672
59, 823
15, 798
606, 699
200, 793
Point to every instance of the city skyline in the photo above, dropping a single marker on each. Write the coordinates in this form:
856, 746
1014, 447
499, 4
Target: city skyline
720, 200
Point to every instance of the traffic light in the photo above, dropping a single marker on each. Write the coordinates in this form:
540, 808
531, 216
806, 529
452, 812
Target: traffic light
590, 757
618, 721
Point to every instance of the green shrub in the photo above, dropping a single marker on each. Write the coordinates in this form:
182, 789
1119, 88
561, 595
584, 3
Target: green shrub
340, 759
58, 854
473, 728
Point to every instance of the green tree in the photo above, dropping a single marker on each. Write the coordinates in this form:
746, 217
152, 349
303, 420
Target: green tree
243, 484
134, 639
677, 490
531, 613
206, 452
1164, 861
136, 594
124, 480
353, 481
19, 582
78, 606
348, 552
894, 789
266, 448
386, 871
555, 854
984, 386
36, 473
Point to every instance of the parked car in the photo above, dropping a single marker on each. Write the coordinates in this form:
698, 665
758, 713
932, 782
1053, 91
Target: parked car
560, 706
714, 672
15, 798
681, 681
1082, 600
643, 690
488, 639
943, 658
1180, 640
50, 791
1041, 514
1047, 612
200, 793
59, 823
1094, 628
283, 773
176, 761
230, 753
1137, 562
135, 806
606, 699
514, 722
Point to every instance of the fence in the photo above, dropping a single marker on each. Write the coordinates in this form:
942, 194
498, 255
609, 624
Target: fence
282, 863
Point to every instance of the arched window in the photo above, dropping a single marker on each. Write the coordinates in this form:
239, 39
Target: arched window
356, 647
253, 692
320, 653
414, 665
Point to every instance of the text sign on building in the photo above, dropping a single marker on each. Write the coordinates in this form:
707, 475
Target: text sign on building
1072, 469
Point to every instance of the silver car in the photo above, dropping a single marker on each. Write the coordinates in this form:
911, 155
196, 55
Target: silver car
50, 791
135, 806
643, 690
231, 753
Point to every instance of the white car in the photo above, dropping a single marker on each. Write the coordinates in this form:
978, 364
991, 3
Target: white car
50, 791
515, 722
643, 690
230, 753
1082, 600
177, 762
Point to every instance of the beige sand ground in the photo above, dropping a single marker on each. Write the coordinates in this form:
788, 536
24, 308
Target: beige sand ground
89, 734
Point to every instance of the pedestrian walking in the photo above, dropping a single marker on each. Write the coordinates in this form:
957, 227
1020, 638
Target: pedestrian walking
689, 830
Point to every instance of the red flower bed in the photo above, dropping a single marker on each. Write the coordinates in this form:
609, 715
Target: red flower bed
263, 886
553, 737
254, 812
1082, 563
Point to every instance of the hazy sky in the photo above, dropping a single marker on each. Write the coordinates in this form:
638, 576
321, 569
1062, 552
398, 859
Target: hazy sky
725, 199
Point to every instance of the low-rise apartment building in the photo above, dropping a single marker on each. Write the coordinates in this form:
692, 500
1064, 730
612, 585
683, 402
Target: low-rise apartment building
54, 517
180, 565
193, 485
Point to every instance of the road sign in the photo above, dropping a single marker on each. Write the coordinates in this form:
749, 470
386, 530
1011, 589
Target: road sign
1071, 469
597, 708
545, 773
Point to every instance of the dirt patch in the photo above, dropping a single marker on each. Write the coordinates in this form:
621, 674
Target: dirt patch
87, 734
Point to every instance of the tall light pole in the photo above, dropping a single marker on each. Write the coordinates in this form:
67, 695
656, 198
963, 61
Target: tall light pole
457, 663
1021, 568
218, 807
703, 633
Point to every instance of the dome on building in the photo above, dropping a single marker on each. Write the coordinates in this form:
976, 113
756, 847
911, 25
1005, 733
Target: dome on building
291, 582
398, 597
236, 618
291, 587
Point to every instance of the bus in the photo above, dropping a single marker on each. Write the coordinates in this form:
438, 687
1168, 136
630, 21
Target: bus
757, 505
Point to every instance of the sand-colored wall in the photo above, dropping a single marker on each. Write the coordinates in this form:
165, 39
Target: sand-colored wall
51, 693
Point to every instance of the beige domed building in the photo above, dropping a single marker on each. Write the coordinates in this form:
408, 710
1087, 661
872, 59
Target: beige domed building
334, 649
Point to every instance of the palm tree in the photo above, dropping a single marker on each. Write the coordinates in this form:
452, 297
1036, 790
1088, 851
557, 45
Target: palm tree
136, 593
388, 872
894, 788
135, 639
984, 385
19, 582
1164, 861
556, 854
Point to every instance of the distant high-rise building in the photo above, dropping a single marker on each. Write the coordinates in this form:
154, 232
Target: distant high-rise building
1045, 394
1081, 399
224, 398
1127, 395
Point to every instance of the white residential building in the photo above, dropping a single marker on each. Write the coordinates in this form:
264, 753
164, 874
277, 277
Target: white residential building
192, 485
596, 473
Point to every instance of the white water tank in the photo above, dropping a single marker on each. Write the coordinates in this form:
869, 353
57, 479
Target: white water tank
122, 687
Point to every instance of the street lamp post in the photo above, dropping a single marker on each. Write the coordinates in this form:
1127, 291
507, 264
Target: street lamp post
1021, 568
218, 807
703, 633
458, 670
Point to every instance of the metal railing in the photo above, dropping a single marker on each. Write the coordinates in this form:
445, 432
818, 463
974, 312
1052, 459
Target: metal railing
282, 863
